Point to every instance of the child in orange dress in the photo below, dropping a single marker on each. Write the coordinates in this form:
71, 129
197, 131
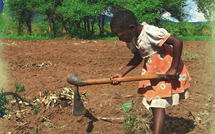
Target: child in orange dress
161, 53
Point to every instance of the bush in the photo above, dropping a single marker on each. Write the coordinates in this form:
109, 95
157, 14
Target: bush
172, 28
203, 29
186, 29
41, 28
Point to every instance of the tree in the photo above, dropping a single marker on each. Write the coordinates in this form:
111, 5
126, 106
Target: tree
207, 7
80, 15
175, 7
20, 11
48, 8
150, 11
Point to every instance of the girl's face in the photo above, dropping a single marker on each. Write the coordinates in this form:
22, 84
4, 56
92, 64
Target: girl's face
125, 36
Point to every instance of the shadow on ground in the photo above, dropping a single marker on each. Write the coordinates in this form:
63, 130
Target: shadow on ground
176, 125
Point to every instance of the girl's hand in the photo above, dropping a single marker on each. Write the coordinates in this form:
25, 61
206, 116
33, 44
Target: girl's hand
115, 76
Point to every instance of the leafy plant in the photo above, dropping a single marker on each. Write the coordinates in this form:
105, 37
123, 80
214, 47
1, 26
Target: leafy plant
129, 121
127, 106
134, 124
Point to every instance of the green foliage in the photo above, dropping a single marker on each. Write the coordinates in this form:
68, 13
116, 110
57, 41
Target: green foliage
3, 102
128, 121
2, 23
203, 29
19, 88
134, 124
207, 7
147, 10
20, 11
172, 28
127, 106
175, 7
185, 29
80, 18
41, 28
197, 38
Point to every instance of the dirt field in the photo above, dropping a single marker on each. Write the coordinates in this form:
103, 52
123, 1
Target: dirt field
42, 66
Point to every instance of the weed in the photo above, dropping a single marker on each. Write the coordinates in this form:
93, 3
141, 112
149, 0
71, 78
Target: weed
19, 88
134, 124
126, 107
129, 121
3, 102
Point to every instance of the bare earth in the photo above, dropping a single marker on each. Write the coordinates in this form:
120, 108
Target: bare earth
42, 66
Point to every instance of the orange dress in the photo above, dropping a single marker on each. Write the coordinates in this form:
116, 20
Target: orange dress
160, 63
157, 59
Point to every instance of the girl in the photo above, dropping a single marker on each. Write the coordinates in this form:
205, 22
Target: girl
161, 53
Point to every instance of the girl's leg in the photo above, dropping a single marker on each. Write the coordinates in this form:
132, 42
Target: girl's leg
159, 118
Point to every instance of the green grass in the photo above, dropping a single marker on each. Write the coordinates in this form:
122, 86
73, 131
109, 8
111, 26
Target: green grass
28, 37
31, 37
196, 37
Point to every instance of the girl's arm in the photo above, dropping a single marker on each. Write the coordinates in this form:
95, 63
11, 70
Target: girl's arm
134, 62
177, 50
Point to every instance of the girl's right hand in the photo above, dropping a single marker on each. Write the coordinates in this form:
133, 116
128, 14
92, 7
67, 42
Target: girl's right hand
115, 76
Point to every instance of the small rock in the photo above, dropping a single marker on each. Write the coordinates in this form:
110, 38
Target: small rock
76, 43
83, 42
13, 102
198, 119
18, 115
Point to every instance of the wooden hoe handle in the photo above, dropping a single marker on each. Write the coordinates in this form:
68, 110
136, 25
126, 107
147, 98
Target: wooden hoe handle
75, 80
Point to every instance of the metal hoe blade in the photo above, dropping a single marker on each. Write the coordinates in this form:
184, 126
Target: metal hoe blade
78, 106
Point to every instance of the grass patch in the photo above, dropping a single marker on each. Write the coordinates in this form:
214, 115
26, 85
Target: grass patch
196, 37
189, 56
28, 37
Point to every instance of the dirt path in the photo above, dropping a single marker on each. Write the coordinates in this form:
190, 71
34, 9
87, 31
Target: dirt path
42, 66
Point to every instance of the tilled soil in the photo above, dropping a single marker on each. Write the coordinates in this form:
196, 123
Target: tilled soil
42, 66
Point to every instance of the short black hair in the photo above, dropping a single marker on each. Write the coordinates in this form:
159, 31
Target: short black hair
123, 18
